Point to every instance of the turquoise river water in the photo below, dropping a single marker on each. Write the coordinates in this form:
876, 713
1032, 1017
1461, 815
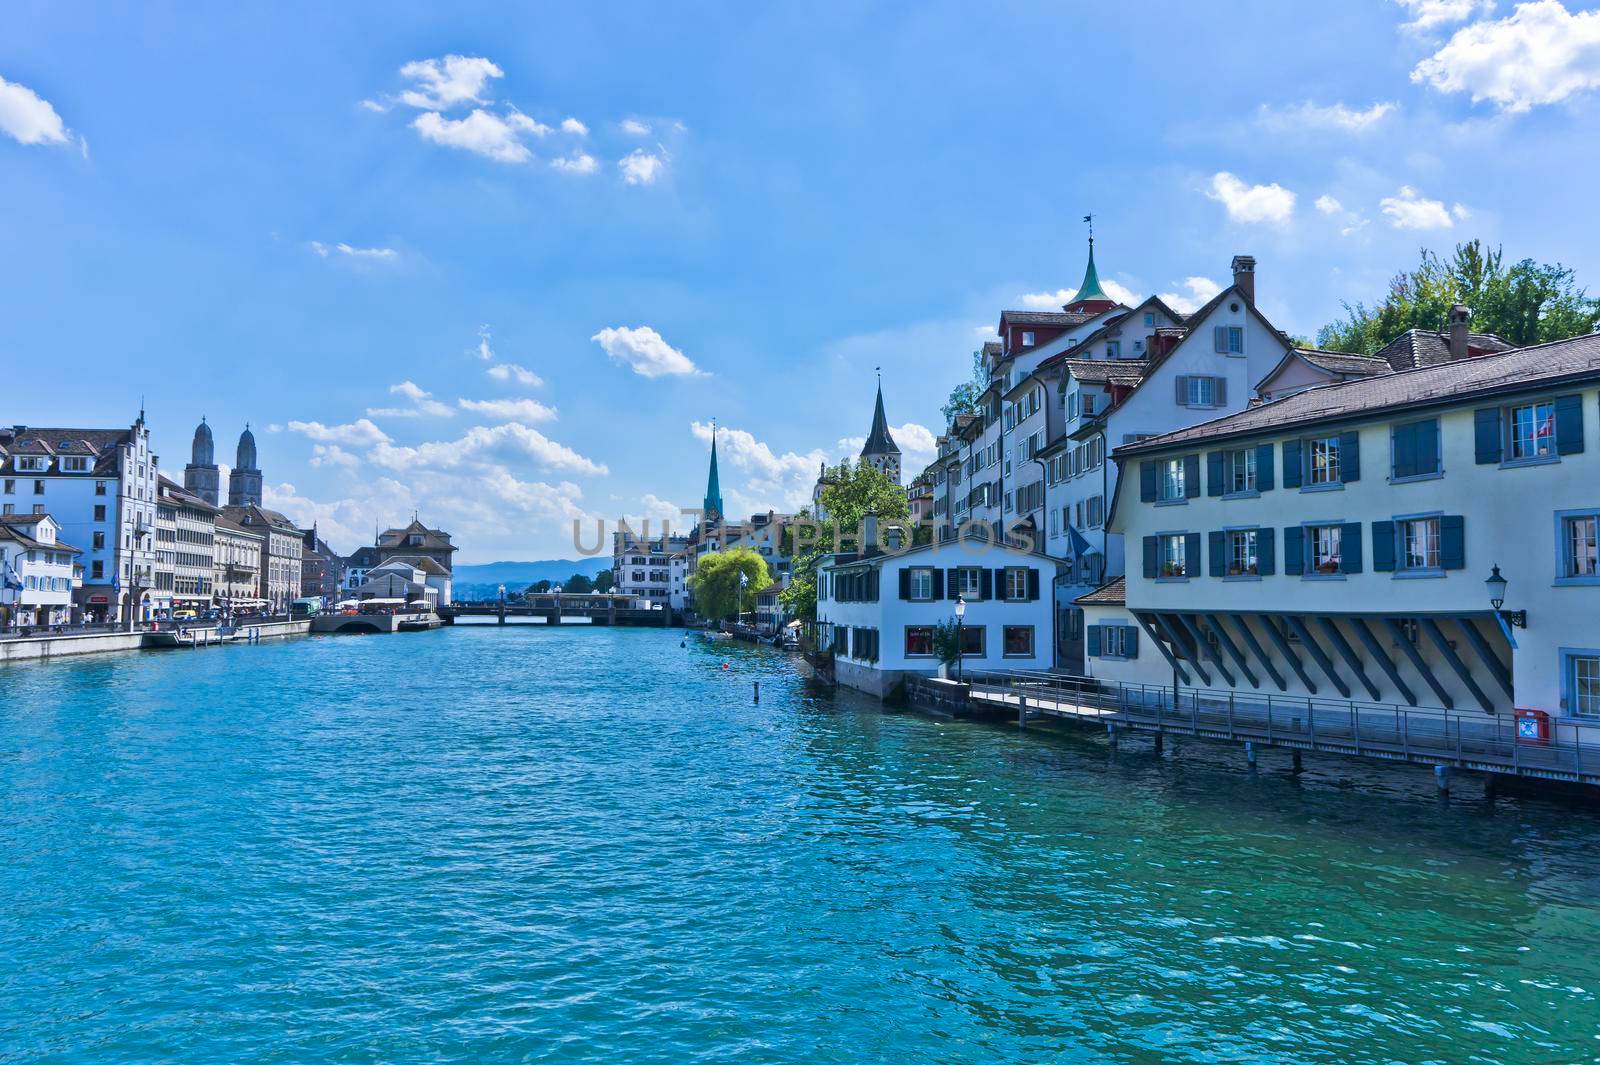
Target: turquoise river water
588, 845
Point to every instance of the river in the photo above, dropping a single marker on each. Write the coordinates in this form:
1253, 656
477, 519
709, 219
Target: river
591, 845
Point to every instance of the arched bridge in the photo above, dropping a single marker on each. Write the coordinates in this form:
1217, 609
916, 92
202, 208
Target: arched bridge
599, 608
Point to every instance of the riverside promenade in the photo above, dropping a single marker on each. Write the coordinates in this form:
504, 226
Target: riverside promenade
48, 645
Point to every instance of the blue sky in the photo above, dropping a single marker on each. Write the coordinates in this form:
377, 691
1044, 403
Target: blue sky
425, 287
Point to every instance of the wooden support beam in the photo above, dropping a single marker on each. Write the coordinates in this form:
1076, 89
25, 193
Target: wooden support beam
1182, 647
1255, 648
1418, 664
1233, 649
1502, 675
1177, 668
1318, 655
1435, 634
1340, 644
1211, 652
1380, 656
1294, 660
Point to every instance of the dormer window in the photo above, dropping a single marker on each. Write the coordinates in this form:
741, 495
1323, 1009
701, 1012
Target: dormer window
1027, 338
414, 540
32, 463
75, 464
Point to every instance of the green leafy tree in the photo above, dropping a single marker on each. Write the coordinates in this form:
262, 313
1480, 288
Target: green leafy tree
603, 581
947, 642
578, 583
539, 587
715, 582
1525, 303
964, 397
853, 492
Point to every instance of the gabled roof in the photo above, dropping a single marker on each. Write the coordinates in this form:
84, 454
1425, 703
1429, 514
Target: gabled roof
98, 444
1429, 347
1341, 364
226, 524
1056, 318
1101, 371
1112, 593
421, 562
1112, 323
1493, 377
432, 539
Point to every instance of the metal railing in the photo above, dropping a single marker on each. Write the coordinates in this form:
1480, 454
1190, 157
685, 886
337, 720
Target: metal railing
1561, 748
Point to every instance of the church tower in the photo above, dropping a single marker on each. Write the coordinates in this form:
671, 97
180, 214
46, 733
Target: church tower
201, 477
1090, 297
711, 509
880, 450
244, 481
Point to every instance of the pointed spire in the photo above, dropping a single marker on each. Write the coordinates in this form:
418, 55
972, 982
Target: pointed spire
879, 442
1090, 290
712, 507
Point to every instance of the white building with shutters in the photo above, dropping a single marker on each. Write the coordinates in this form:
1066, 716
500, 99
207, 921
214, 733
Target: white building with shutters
877, 611
1335, 543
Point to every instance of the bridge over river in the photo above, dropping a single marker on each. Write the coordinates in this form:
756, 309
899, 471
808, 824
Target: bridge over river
555, 608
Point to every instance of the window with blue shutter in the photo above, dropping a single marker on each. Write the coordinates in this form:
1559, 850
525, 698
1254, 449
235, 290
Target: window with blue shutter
1291, 464
1130, 641
1264, 468
1569, 425
1150, 564
1349, 457
1147, 481
1191, 555
1294, 551
1350, 548
1415, 450
1453, 541
1219, 554
1486, 436
1265, 551
1092, 641
1214, 468
1191, 476
1383, 547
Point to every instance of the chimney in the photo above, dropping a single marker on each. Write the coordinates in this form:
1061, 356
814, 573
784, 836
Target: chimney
1460, 317
869, 535
1244, 276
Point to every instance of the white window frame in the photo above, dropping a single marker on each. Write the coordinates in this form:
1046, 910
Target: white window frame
1113, 641
1202, 391
1330, 471
1538, 443
1016, 590
1324, 541
1171, 488
1417, 545
1172, 563
1244, 553
920, 584
1578, 546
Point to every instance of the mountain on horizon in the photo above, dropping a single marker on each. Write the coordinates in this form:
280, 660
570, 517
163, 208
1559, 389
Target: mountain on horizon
521, 574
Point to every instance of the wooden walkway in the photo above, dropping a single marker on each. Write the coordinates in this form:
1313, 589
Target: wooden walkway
1483, 742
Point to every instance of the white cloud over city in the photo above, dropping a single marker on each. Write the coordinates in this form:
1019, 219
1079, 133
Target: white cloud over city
1540, 54
645, 351
28, 118
1270, 203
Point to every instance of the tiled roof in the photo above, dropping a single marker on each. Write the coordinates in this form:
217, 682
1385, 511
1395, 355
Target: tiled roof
228, 525
99, 444
1047, 317
1099, 371
1113, 593
1416, 348
1343, 363
363, 558
1453, 382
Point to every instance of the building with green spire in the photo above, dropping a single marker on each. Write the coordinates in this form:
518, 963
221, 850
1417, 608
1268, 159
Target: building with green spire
1090, 298
711, 509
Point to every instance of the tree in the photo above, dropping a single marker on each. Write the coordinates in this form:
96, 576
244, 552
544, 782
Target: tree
716, 586
1526, 303
852, 493
947, 642
578, 583
603, 581
539, 587
964, 397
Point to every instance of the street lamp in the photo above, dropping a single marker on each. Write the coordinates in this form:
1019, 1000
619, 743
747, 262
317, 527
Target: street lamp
1497, 597
961, 612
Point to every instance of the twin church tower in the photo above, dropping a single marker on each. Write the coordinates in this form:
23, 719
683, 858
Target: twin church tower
202, 478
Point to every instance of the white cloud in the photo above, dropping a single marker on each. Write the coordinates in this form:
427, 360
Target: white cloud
441, 84
1541, 54
1328, 205
1409, 209
504, 445
375, 106
484, 351
480, 132
771, 481
1309, 116
1054, 301
333, 455
1273, 203
510, 371
1197, 291
1460, 212
28, 118
519, 121
574, 127
358, 433
577, 163
645, 350
422, 404
527, 410
1429, 14
369, 255
635, 128
639, 167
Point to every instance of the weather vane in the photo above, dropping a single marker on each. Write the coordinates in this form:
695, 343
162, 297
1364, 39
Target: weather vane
1089, 218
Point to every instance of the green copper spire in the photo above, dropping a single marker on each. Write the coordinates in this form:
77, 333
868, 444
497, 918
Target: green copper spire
1090, 289
712, 507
